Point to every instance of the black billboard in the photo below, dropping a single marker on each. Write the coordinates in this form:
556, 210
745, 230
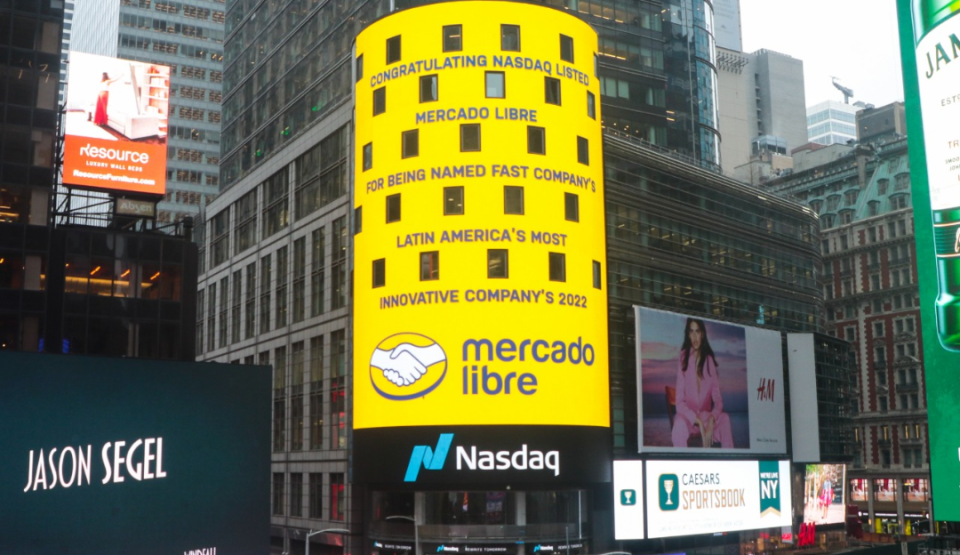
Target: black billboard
439, 457
113, 455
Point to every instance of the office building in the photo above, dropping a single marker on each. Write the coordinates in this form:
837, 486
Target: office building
72, 289
885, 123
761, 106
282, 270
831, 122
862, 195
188, 37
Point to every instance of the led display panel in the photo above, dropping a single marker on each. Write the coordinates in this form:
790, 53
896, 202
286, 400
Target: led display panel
115, 124
115, 455
823, 499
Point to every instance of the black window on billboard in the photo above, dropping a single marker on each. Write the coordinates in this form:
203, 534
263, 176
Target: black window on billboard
452, 38
393, 49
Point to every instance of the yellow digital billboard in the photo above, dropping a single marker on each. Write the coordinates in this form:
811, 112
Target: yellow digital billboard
479, 277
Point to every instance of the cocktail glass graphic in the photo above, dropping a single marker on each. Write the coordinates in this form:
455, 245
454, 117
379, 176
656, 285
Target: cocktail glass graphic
627, 495
668, 486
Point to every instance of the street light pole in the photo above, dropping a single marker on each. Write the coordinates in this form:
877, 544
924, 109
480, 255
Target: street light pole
416, 531
335, 530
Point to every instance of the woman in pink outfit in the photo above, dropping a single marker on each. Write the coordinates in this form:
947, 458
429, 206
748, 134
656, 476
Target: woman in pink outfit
699, 403
103, 100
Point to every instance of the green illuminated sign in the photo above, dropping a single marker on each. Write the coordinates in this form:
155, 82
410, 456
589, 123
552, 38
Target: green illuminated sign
929, 44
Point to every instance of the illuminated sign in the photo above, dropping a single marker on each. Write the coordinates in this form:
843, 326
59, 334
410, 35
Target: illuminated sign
115, 126
628, 500
823, 501
807, 536
479, 282
708, 386
139, 449
700, 497
928, 43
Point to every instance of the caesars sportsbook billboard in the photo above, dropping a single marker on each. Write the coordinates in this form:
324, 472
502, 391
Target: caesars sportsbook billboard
115, 125
706, 386
114, 455
480, 332
702, 497
929, 44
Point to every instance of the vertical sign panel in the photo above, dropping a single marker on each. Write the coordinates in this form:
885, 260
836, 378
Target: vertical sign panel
929, 46
628, 500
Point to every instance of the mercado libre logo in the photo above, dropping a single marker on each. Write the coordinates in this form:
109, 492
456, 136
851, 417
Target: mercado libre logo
407, 366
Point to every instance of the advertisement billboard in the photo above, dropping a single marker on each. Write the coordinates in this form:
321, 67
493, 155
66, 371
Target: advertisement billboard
115, 455
823, 500
480, 242
708, 386
115, 125
928, 43
628, 500
701, 497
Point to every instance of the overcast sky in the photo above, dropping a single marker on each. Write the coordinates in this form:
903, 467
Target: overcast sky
854, 40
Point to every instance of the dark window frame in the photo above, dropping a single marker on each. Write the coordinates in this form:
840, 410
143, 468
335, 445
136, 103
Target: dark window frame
514, 188
547, 82
557, 258
467, 127
446, 192
583, 150
573, 206
503, 80
379, 270
458, 38
394, 41
531, 131
568, 43
491, 253
411, 134
436, 80
380, 98
504, 28
434, 263
367, 156
393, 203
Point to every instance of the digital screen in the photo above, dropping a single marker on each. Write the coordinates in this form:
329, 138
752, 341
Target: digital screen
115, 125
823, 501
628, 500
928, 37
708, 386
701, 497
116, 456
480, 302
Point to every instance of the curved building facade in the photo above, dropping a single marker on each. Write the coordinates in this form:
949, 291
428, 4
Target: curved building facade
480, 305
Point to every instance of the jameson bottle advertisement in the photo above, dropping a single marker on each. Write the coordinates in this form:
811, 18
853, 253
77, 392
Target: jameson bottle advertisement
930, 46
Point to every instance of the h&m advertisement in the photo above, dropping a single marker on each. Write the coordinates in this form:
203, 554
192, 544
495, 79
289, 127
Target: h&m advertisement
928, 44
702, 497
708, 386
115, 126
113, 456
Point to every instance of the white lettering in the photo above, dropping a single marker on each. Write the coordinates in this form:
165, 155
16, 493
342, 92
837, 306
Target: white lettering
119, 155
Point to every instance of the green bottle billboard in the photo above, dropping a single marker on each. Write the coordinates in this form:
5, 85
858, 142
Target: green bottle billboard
930, 47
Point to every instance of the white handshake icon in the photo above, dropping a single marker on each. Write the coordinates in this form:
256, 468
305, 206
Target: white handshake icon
406, 363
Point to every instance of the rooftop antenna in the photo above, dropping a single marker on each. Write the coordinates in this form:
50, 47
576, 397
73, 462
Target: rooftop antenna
847, 92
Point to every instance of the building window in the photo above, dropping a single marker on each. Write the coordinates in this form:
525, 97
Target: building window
512, 199
278, 493
429, 266
379, 101
469, 137
558, 266
338, 497
338, 266
495, 84
281, 295
296, 494
583, 151
411, 143
359, 67
393, 208
498, 263
357, 220
536, 140
393, 49
571, 203
265, 269
452, 38
299, 279
251, 301
452, 201
551, 90
597, 276
566, 48
316, 495
510, 38
428, 88
591, 105
318, 240
235, 307
367, 156
379, 272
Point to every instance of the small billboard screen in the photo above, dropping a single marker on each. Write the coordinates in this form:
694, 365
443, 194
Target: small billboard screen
702, 497
823, 501
115, 126
115, 455
707, 386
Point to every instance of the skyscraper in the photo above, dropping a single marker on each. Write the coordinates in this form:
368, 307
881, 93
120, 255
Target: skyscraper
831, 122
188, 37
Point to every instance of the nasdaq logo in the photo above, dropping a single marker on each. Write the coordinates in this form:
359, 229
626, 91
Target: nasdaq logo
431, 459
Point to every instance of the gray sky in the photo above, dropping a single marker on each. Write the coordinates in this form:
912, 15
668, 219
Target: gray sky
855, 40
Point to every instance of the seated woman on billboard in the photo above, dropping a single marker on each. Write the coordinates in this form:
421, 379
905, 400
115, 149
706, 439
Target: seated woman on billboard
699, 402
